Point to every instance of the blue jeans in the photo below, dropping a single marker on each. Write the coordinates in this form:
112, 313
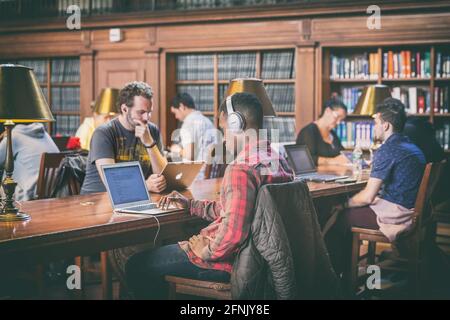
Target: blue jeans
145, 271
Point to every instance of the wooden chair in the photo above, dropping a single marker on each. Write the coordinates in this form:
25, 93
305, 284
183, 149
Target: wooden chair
48, 172
411, 245
46, 184
316, 279
207, 289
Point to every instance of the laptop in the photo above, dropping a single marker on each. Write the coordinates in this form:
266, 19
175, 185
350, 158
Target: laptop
301, 161
127, 189
180, 175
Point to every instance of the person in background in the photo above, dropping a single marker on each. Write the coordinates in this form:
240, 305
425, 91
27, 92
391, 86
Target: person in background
87, 128
29, 142
422, 134
196, 133
129, 137
323, 143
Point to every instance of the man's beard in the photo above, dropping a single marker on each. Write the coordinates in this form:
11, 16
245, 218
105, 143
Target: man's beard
131, 121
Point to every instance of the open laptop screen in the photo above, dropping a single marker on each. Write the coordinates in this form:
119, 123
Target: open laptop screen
125, 184
300, 159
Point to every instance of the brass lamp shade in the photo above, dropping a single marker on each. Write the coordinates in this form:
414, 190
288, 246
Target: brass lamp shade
21, 97
370, 98
106, 102
255, 86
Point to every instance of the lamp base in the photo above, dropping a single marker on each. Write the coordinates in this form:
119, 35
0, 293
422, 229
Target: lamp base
19, 216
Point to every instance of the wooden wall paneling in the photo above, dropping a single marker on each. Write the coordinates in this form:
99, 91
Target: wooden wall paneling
229, 36
304, 88
117, 72
323, 89
152, 77
395, 30
168, 91
48, 44
86, 84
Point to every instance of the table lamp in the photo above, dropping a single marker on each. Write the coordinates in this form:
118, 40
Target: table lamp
106, 102
255, 86
370, 98
21, 100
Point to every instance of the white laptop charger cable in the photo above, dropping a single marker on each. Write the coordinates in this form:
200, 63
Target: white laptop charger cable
157, 221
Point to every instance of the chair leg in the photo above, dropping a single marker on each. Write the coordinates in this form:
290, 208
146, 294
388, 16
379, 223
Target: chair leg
40, 280
79, 294
352, 276
106, 276
371, 252
172, 291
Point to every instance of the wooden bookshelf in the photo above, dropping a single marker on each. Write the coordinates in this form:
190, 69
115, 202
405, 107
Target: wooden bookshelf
59, 79
346, 70
206, 75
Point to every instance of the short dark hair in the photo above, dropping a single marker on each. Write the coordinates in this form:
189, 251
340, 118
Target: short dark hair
393, 111
334, 103
249, 106
131, 90
184, 98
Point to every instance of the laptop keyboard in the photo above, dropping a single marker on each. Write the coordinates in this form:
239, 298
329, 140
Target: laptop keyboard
143, 207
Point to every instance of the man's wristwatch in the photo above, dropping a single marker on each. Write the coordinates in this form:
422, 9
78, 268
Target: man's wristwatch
148, 146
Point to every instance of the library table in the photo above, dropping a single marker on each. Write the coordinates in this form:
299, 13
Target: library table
82, 225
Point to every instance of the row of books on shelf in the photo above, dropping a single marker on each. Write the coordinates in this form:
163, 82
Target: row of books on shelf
442, 99
275, 65
442, 65
66, 99
195, 67
282, 96
66, 125
278, 65
65, 70
350, 97
443, 136
236, 65
284, 126
203, 95
362, 66
406, 64
352, 132
39, 68
415, 99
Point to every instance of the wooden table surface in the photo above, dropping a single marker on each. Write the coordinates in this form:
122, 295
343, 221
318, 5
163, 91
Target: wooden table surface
82, 225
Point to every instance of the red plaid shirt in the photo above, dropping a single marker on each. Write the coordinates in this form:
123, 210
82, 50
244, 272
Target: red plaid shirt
232, 216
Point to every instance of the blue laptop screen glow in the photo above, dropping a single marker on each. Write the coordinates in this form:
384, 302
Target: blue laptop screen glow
126, 184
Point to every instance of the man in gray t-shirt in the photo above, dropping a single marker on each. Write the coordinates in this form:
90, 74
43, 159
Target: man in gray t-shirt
129, 137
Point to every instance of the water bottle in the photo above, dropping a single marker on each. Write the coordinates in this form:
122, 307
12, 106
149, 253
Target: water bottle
357, 159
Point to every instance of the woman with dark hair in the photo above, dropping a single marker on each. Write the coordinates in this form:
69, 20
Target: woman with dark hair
319, 136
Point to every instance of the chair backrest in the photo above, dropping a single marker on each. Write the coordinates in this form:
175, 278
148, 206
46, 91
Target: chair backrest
48, 173
423, 227
427, 188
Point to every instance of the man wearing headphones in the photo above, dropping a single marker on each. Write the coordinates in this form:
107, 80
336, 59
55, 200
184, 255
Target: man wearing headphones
209, 256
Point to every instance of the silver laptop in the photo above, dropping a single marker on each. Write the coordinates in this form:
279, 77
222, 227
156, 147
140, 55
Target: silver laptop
301, 161
180, 175
127, 189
